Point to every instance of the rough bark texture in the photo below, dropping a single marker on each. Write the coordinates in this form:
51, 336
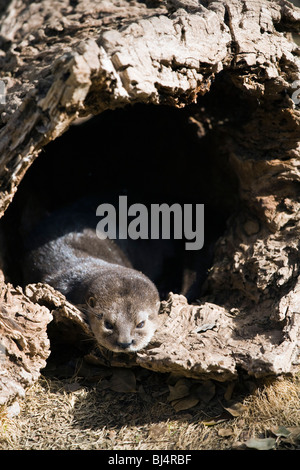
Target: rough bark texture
61, 60
24, 344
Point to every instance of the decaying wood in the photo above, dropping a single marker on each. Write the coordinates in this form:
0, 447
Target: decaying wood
194, 341
24, 344
61, 60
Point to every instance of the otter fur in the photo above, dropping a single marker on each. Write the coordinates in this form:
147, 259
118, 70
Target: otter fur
97, 275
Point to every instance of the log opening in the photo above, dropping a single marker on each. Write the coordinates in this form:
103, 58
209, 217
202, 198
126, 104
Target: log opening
152, 154
237, 63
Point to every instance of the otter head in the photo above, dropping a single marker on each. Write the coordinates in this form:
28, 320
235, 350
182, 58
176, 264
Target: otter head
122, 308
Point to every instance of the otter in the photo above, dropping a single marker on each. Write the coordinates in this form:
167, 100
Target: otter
96, 275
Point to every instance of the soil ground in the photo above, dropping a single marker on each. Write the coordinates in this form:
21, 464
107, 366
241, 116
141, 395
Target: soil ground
156, 413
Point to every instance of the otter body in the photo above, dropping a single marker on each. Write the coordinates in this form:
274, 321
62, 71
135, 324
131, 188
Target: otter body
97, 275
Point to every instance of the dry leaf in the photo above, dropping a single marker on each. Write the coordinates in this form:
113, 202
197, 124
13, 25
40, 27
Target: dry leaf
294, 430
235, 409
183, 394
261, 444
157, 431
185, 403
179, 390
287, 435
294, 436
281, 431
225, 432
204, 391
216, 420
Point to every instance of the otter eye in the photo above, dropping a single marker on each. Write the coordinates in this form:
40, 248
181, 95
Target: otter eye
92, 302
108, 325
141, 324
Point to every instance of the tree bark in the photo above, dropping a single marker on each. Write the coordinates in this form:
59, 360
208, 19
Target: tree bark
61, 60
24, 344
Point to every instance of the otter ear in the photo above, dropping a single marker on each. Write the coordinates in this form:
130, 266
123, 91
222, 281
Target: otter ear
92, 302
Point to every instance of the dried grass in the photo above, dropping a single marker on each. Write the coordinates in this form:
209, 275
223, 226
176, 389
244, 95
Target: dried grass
275, 403
61, 414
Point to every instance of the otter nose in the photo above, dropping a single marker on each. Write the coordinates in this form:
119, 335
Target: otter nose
124, 345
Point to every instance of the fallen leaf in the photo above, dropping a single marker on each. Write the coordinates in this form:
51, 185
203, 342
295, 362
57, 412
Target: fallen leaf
261, 444
225, 432
204, 391
281, 431
157, 431
294, 436
288, 435
216, 420
235, 408
294, 430
185, 403
179, 390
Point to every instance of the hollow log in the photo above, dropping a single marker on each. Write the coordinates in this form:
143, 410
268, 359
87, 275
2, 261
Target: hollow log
233, 68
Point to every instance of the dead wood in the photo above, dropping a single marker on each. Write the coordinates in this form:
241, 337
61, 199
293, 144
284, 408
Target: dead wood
63, 60
24, 344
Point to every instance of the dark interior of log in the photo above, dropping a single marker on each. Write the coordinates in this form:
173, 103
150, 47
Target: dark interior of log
150, 153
